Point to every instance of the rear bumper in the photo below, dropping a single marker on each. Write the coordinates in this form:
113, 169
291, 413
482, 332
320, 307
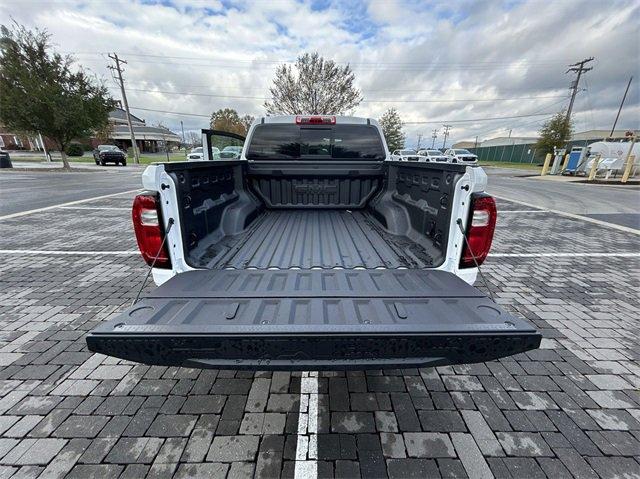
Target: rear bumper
326, 352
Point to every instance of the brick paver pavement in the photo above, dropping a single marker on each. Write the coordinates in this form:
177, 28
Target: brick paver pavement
571, 408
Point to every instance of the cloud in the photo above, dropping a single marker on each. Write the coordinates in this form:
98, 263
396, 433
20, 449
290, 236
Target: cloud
432, 61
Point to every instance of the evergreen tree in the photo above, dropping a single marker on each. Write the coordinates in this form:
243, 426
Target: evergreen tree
391, 125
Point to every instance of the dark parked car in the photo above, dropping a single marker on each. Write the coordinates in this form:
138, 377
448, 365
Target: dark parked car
109, 154
5, 160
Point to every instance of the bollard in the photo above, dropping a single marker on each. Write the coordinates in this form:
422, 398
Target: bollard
627, 169
594, 168
545, 167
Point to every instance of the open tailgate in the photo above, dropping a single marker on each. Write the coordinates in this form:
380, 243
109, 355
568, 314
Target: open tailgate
313, 319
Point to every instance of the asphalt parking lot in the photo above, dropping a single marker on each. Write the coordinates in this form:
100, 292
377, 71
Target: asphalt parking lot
569, 409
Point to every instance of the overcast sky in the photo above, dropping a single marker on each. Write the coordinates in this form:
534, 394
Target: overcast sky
442, 61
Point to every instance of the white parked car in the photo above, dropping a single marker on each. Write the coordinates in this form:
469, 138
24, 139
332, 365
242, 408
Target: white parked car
196, 154
433, 155
458, 155
405, 155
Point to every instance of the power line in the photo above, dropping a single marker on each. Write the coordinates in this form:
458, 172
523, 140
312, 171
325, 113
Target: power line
170, 112
534, 113
373, 63
404, 122
371, 66
475, 119
243, 97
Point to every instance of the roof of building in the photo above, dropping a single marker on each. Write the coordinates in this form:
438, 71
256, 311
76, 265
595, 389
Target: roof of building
601, 134
121, 132
119, 115
588, 135
464, 144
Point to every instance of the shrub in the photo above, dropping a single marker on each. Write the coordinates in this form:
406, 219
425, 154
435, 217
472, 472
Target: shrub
74, 149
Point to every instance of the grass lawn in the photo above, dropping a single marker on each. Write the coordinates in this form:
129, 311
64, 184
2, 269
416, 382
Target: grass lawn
506, 164
144, 159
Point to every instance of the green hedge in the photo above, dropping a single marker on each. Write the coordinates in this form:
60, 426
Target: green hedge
75, 149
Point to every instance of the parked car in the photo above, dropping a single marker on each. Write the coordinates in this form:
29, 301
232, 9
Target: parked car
312, 252
231, 152
104, 154
459, 155
432, 155
5, 159
405, 155
196, 154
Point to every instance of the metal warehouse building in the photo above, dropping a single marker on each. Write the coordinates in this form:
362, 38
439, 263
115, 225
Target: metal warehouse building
521, 149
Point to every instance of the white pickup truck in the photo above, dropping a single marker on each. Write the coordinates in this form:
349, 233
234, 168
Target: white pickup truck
313, 250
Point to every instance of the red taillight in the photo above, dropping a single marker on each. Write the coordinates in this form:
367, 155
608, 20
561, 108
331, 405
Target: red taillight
315, 120
149, 230
480, 228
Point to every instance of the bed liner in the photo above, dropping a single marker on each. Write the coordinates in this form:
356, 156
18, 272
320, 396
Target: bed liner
286, 239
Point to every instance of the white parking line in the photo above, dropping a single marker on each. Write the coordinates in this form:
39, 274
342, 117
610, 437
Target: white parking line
69, 253
626, 229
93, 208
501, 212
565, 255
307, 443
47, 208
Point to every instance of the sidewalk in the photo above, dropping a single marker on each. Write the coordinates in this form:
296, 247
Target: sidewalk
75, 166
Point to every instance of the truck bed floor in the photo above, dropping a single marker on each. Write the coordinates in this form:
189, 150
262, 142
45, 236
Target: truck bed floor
315, 238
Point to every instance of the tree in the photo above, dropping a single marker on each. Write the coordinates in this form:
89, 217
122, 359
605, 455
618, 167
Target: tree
313, 86
42, 91
194, 138
556, 132
391, 125
227, 119
246, 122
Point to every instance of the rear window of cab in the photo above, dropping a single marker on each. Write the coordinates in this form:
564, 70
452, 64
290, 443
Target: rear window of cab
306, 142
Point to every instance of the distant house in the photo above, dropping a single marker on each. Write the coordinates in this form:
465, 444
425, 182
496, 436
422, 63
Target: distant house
10, 140
150, 139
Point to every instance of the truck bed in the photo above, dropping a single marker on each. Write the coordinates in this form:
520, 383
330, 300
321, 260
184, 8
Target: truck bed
286, 239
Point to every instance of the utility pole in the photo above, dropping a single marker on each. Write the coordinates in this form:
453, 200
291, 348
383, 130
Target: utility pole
620, 109
117, 68
184, 145
419, 140
446, 134
434, 135
579, 69
476, 144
